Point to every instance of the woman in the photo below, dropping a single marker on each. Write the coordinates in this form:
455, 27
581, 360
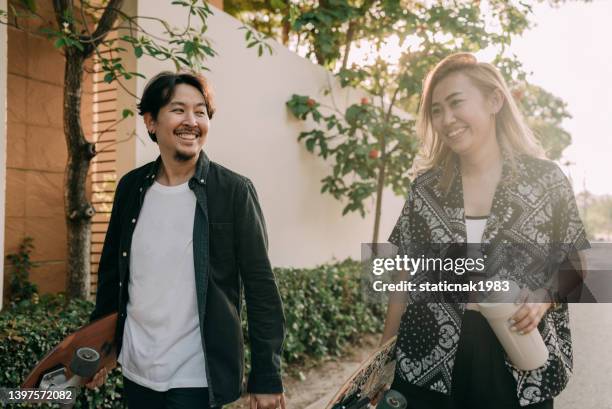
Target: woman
481, 177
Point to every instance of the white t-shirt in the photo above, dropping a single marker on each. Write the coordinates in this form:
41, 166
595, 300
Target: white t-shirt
162, 345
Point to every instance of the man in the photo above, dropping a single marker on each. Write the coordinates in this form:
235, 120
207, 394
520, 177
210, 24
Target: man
185, 235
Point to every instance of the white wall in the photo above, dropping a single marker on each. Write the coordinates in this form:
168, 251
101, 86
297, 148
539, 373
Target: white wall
254, 134
3, 68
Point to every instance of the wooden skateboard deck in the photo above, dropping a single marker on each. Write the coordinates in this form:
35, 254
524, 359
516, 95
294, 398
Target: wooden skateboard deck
368, 381
98, 335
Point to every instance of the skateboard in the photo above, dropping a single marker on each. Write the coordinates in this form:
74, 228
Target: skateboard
369, 382
77, 358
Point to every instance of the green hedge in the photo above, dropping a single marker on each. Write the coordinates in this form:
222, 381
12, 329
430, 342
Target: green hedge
324, 308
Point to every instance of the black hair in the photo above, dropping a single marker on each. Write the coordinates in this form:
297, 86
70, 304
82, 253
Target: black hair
159, 91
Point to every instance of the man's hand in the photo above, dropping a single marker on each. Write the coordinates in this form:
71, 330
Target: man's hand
267, 401
100, 377
534, 306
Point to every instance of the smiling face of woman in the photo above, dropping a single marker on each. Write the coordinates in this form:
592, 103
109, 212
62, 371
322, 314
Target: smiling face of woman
461, 115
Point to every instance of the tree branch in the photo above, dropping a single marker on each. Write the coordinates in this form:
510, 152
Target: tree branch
389, 111
106, 147
133, 20
105, 24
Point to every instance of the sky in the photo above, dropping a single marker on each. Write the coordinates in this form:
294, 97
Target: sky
569, 53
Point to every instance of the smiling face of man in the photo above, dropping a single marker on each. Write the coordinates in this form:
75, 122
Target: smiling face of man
181, 125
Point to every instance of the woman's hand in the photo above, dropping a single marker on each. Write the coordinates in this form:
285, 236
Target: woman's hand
267, 401
528, 316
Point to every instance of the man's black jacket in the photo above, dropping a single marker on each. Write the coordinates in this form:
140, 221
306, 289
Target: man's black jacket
229, 251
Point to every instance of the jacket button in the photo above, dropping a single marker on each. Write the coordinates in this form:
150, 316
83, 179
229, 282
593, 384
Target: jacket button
133, 221
201, 180
125, 254
140, 190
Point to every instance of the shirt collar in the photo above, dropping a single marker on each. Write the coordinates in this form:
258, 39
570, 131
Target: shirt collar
199, 176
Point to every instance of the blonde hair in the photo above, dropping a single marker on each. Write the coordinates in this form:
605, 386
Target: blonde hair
513, 134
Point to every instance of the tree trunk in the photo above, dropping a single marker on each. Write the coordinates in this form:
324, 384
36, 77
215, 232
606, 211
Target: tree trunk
318, 52
382, 167
380, 184
347, 47
79, 210
80, 152
286, 31
319, 56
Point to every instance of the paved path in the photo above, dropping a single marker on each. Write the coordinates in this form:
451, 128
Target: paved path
591, 384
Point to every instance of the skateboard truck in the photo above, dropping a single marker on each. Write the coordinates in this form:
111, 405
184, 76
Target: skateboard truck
392, 400
83, 366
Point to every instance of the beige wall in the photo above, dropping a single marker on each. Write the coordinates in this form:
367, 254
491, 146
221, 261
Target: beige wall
36, 151
3, 54
254, 134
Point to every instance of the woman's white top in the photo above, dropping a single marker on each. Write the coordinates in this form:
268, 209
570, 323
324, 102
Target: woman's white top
162, 343
474, 227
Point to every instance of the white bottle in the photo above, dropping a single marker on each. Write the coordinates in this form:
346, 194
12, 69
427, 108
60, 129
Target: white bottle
527, 351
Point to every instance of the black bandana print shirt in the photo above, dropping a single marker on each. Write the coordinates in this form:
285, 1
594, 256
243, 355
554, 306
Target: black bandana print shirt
533, 204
